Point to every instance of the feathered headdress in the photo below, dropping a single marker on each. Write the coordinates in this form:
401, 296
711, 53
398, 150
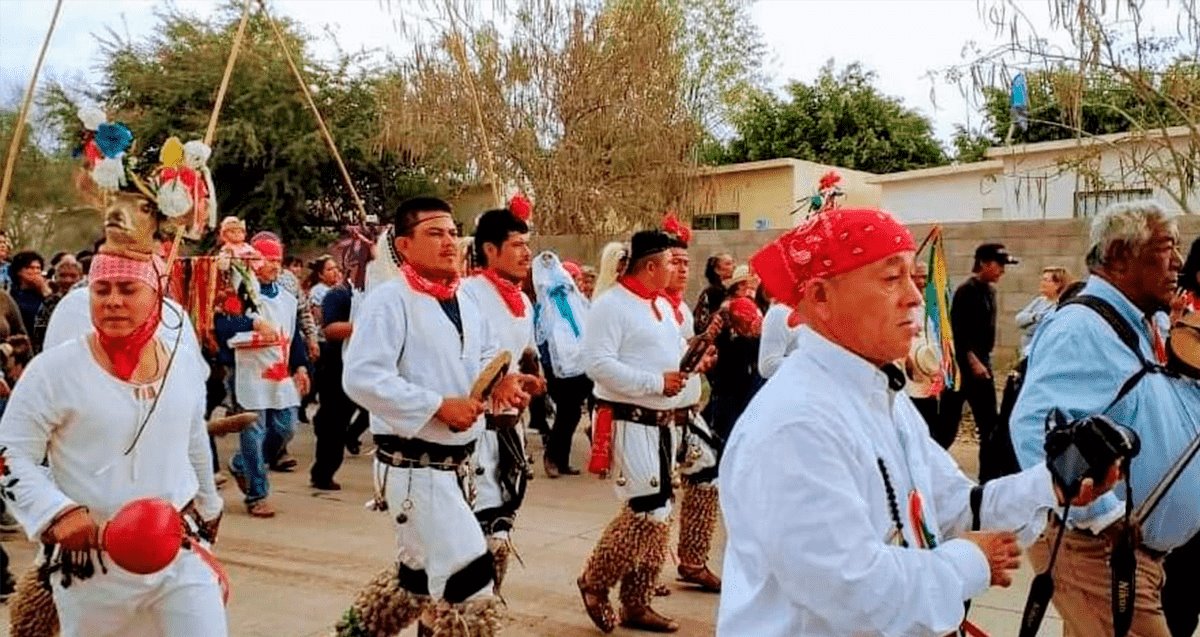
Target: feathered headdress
679, 233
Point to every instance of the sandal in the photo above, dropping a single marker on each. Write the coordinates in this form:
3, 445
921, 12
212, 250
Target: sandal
260, 509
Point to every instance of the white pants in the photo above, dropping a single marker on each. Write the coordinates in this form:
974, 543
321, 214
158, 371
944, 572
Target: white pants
440, 534
640, 471
182, 600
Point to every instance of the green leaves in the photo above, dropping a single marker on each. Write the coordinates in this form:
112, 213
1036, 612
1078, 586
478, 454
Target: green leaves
840, 119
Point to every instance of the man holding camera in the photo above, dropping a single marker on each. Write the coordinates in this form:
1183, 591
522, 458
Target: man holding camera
1079, 365
843, 515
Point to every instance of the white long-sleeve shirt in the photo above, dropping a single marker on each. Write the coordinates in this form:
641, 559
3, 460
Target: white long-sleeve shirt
810, 537
778, 340
406, 355
512, 333
68, 409
694, 389
626, 349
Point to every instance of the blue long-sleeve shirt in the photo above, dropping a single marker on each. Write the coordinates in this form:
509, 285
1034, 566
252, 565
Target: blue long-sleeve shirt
1078, 363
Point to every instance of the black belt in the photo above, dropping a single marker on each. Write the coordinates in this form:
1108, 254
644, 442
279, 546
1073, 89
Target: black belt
414, 453
640, 415
1109, 534
684, 415
496, 422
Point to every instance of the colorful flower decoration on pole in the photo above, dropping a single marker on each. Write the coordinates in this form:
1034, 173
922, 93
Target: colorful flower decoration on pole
827, 193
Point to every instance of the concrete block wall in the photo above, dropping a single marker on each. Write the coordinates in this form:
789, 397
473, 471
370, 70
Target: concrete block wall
1037, 244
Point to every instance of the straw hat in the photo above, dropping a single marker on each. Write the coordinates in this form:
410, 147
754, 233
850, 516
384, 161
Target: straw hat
924, 365
740, 274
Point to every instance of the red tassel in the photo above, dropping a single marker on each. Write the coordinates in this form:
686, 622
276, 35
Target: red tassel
520, 207
602, 433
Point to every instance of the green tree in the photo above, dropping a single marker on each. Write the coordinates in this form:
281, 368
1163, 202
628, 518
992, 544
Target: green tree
840, 119
1104, 102
969, 144
40, 197
270, 164
581, 104
1118, 74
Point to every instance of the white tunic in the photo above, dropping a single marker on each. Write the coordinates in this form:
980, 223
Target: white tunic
808, 519
72, 318
406, 355
511, 333
778, 340
626, 349
262, 374
694, 389
68, 409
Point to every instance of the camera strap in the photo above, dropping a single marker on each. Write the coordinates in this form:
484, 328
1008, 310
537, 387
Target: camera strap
1042, 588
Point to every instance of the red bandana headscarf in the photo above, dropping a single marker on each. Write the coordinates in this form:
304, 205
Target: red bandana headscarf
509, 291
439, 291
828, 244
126, 351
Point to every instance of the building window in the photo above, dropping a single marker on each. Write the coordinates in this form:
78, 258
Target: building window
1089, 203
992, 214
722, 221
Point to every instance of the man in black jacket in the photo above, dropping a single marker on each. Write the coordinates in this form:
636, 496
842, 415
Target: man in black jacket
973, 321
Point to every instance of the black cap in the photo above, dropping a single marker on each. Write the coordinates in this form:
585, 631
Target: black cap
648, 243
995, 253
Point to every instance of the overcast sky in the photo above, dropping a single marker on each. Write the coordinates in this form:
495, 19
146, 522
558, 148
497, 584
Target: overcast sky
901, 40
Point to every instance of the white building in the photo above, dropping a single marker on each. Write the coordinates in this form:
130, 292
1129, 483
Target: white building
1051, 180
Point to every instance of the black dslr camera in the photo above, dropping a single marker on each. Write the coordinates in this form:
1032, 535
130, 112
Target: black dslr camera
1085, 448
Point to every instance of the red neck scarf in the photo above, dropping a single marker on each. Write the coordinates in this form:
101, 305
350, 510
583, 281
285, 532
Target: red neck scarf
676, 301
126, 351
509, 291
641, 291
439, 291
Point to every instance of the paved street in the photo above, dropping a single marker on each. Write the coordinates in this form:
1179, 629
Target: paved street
295, 574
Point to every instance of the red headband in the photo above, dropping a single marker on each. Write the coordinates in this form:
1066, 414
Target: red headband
826, 245
110, 267
269, 248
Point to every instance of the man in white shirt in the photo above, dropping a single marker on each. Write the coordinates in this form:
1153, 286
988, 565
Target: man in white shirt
419, 344
819, 541
632, 349
130, 428
697, 455
502, 249
269, 375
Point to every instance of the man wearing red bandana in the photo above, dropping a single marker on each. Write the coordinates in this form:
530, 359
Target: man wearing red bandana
138, 431
843, 515
502, 250
419, 344
697, 456
269, 361
632, 350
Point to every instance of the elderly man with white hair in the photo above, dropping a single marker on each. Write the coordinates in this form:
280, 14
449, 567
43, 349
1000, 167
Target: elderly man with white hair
1079, 364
